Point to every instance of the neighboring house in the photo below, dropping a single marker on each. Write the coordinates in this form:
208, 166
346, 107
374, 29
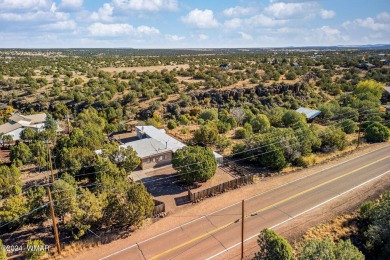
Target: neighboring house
155, 147
17, 123
309, 113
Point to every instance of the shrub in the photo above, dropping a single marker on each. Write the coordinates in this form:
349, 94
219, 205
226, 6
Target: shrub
35, 249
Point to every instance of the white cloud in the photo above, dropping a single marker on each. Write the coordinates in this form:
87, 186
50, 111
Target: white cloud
237, 11
264, 21
104, 13
146, 5
39, 16
245, 36
233, 23
203, 37
120, 29
25, 4
328, 34
60, 26
327, 14
290, 10
384, 17
72, 4
201, 19
174, 37
368, 23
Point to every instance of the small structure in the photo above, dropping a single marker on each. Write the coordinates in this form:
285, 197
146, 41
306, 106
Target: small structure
224, 66
17, 123
309, 113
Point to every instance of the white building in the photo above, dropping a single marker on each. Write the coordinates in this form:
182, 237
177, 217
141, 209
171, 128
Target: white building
17, 123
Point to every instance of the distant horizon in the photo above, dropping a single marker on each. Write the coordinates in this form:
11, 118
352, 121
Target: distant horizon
387, 45
179, 24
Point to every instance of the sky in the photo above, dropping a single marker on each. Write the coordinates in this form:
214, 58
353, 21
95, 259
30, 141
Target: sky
192, 23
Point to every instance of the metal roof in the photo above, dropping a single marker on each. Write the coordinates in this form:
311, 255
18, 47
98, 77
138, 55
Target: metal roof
7, 127
161, 136
309, 113
146, 147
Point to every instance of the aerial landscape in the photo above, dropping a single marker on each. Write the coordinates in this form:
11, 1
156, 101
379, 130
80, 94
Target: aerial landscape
172, 129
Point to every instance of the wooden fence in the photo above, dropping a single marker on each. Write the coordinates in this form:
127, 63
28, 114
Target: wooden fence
233, 184
159, 207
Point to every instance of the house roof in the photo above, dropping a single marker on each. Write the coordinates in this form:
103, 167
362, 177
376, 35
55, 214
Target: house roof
37, 118
7, 127
387, 89
33, 119
17, 118
147, 147
161, 136
309, 113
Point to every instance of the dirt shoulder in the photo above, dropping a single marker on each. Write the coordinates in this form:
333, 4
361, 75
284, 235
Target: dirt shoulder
190, 212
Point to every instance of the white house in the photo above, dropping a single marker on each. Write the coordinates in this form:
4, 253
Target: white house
17, 123
155, 147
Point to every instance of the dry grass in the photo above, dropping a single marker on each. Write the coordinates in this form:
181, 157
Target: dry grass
143, 69
338, 228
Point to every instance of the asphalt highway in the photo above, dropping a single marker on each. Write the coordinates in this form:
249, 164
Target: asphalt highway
212, 235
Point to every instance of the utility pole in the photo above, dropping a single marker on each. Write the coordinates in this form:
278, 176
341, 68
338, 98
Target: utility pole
53, 217
359, 133
242, 229
50, 163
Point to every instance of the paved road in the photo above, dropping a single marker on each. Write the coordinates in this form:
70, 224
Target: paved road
211, 235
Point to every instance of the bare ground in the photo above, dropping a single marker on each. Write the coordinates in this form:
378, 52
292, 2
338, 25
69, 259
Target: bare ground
293, 230
149, 68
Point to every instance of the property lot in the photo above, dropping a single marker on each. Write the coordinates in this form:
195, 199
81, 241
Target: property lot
164, 184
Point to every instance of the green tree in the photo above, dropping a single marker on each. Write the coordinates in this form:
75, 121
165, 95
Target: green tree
260, 123
206, 135
194, 163
345, 250
348, 126
20, 153
370, 86
50, 123
328, 250
32, 251
171, 124
273, 247
376, 132
292, 117
39, 152
375, 233
3, 253
12, 210
35, 199
209, 114
333, 138
124, 157
64, 192
88, 213
28, 134
75, 159
10, 182
7, 139
129, 204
